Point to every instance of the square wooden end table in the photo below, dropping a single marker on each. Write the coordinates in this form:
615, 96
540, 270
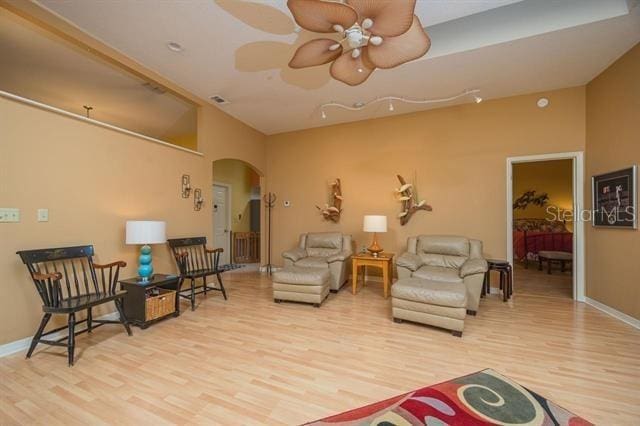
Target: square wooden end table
383, 261
135, 301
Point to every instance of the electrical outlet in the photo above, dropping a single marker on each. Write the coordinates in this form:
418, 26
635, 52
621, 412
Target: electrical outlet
9, 215
43, 215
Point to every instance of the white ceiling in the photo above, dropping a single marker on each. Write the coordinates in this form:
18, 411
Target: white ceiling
240, 49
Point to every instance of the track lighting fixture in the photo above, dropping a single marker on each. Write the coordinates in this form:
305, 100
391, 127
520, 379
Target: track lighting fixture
362, 105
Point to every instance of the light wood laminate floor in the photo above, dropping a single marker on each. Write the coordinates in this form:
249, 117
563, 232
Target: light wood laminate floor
251, 361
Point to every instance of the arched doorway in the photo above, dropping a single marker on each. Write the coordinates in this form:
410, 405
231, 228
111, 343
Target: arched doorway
237, 211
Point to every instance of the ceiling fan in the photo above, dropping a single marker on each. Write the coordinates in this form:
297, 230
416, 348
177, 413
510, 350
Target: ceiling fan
372, 34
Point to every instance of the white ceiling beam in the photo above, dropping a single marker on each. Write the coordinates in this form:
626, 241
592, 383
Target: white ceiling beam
516, 21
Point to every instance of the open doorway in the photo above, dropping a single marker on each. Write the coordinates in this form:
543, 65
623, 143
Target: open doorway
543, 227
236, 211
544, 238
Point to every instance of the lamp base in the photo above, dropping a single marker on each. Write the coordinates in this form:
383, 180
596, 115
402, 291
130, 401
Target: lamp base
145, 267
374, 248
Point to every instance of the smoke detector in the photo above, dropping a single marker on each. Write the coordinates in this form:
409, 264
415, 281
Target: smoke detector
219, 100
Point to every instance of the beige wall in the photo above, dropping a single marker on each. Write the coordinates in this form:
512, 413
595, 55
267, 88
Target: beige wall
552, 177
613, 143
92, 180
241, 178
458, 154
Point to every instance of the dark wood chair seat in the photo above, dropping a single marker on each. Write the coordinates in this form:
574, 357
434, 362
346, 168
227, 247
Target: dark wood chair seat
196, 261
200, 273
75, 304
68, 282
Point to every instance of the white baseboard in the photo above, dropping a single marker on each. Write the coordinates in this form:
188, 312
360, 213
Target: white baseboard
23, 344
613, 312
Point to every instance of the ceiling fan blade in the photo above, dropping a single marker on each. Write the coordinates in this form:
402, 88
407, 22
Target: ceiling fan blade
315, 52
263, 17
395, 51
352, 71
390, 17
262, 55
320, 16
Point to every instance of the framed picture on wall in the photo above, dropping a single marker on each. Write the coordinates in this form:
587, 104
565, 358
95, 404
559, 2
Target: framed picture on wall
614, 198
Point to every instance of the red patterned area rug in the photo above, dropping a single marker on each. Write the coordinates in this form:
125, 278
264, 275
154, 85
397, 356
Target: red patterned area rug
482, 398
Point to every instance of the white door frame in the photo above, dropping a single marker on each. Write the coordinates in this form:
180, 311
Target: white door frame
578, 203
228, 204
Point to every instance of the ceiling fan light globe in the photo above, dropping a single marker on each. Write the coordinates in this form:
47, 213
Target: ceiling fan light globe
338, 28
376, 40
334, 47
367, 23
354, 38
355, 53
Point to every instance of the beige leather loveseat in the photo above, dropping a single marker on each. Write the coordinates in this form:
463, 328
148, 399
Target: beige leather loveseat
330, 250
446, 259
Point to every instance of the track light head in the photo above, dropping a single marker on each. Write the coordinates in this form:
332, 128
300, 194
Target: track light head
391, 108
477, 99
323, 115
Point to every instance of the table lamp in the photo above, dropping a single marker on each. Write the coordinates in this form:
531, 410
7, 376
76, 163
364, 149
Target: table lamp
145, 232
375, 224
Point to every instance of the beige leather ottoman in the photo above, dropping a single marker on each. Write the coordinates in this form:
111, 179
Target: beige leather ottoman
298, 284
437, 303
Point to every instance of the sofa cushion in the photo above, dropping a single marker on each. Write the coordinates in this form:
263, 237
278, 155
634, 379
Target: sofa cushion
313, 262
427, 308
302, 276
323, 243
443, 244
442, 260
439, 293
437, 273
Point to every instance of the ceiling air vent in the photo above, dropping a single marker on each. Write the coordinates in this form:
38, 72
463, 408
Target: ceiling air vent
219, 100
154, 88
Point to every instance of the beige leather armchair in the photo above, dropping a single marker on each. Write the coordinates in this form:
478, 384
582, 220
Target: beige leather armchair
330, 250
446, 258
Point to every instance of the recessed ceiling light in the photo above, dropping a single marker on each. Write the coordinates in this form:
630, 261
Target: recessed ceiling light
543, 103
175, 47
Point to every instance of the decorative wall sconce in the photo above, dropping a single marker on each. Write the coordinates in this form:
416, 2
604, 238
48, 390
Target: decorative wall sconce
198, 200
186, 186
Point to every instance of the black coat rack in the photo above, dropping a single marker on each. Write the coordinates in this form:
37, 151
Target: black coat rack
269, 203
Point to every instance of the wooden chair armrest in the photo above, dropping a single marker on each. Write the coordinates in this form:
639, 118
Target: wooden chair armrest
120, 263
41, 277
217, 250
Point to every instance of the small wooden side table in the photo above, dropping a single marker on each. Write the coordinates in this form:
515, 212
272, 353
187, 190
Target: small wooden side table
135, 300
506, 278
383, 261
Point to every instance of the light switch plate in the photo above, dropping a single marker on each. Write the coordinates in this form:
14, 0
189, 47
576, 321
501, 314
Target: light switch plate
9, 215
43, 215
